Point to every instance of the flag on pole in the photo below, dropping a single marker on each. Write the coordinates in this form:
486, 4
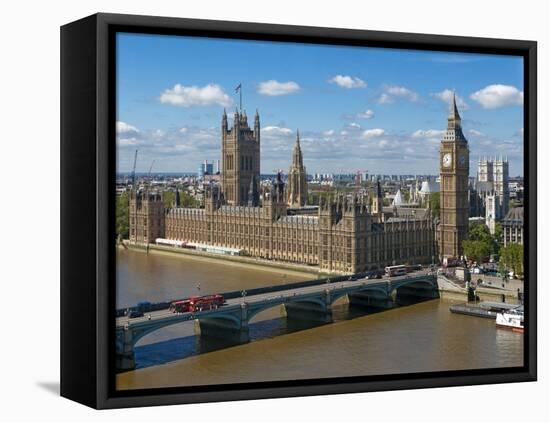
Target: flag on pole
239, 90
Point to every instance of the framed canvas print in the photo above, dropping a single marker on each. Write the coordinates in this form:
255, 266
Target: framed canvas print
254, 211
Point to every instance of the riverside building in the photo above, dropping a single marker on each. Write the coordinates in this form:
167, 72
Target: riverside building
344, 233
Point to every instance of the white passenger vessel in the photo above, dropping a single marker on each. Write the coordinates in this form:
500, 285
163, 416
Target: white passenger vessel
511, 319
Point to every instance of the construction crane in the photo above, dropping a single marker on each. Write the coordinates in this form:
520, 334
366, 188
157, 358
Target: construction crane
150, 168
134, 170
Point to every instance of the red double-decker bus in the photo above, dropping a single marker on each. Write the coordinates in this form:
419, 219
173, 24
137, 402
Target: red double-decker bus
192, 304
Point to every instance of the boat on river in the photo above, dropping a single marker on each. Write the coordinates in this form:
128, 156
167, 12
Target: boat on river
511, 319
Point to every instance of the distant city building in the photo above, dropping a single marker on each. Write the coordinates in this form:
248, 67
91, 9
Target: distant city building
205, 168
492, 182
491, 207
512, 226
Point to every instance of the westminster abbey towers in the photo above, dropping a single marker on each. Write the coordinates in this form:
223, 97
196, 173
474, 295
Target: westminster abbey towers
240, 174
454, 165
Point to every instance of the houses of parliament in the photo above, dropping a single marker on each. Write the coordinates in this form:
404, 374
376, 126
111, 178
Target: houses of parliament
343, 233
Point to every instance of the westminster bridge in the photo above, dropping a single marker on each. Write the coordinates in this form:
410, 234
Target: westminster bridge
302, 301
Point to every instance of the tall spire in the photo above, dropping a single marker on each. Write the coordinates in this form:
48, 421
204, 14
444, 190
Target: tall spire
297, 177
224, 121
297, 159
454, 117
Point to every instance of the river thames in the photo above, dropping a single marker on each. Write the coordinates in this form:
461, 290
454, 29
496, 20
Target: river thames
415, 338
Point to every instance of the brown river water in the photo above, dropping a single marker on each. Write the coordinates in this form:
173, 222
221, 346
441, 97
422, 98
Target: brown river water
414, 338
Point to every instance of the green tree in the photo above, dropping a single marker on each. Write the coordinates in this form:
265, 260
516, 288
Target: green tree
435, 203
186, 199
511, 258
476, 250
122, 213
480, 232
313, 198
498, 237
168, 198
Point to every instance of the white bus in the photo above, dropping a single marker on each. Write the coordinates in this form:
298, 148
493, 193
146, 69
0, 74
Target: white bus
399, 270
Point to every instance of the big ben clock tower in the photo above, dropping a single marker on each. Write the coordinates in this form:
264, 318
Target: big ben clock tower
454, 170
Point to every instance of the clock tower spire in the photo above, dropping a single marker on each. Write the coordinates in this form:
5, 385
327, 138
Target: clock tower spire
454, 170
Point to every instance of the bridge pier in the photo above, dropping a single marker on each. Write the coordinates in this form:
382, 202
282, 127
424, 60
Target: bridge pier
125, 357
233, 327
214, 328
421, 292
371, 300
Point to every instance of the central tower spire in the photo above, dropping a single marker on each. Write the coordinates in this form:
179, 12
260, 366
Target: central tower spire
297, 177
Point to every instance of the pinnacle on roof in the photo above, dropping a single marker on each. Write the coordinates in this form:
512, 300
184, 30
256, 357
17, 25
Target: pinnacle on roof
454, 116
454, 109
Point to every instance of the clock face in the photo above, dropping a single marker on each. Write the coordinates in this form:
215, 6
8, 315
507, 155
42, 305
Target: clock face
462, 160
447, 160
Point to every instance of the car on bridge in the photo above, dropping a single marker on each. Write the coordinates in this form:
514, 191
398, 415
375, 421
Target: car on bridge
135, 313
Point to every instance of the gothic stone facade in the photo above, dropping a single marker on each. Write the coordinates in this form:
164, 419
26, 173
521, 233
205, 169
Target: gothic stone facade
344, 235
240, 159
147, 217
454, 172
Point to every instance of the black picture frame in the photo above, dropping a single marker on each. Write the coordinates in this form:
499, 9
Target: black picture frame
87, 209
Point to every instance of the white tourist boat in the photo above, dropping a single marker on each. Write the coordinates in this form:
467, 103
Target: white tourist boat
511, 319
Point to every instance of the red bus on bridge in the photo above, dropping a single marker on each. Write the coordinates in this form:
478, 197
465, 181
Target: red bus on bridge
206, 302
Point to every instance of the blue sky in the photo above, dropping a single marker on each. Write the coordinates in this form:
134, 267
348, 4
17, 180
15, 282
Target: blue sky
381, 110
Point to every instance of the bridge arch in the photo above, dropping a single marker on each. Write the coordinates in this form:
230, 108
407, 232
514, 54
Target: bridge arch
253, 311
414, 281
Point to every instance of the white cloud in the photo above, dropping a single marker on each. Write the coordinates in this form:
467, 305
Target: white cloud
324, 151
372, 133
475, 133
368, 114
498, 95
354, 125
275, 88
428, 133
348, 82
446, 96
125, 128
183, 96
127, 142
394, 92
276, 130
